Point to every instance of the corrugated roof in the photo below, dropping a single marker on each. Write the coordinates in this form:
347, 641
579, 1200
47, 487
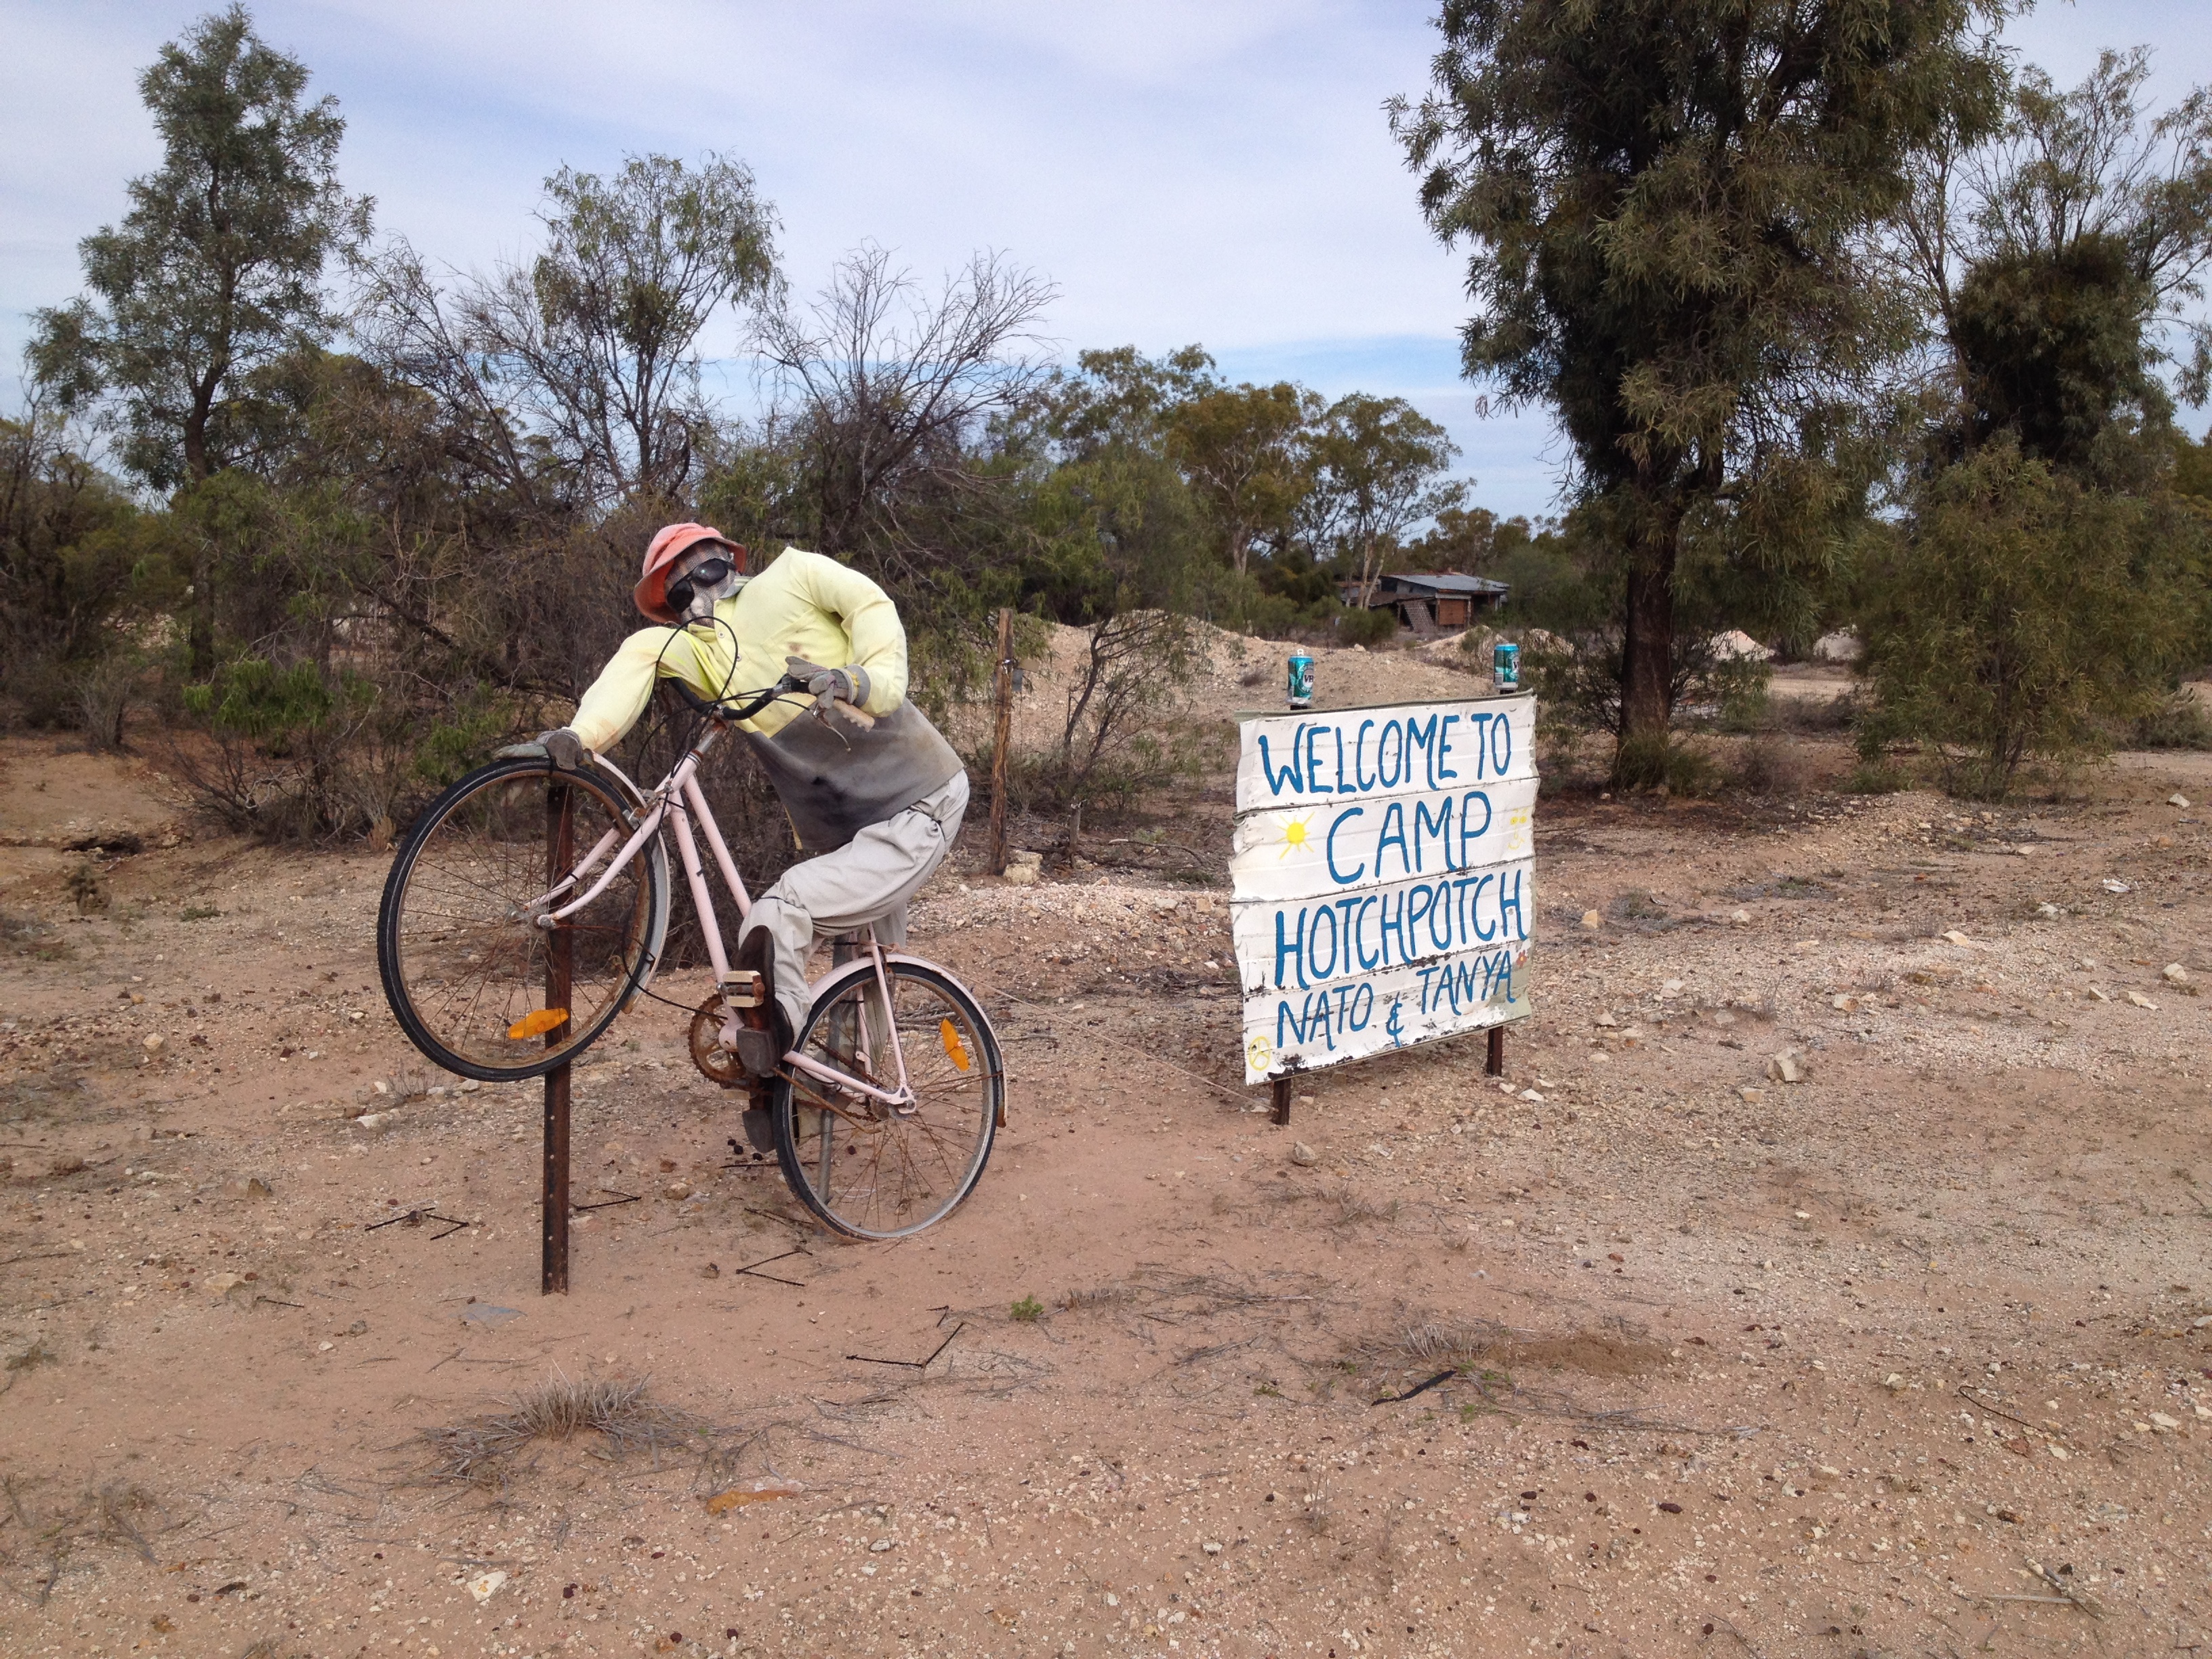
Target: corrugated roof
1446, 581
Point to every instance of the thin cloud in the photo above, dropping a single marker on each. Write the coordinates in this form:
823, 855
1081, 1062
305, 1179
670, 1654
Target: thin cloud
1218, 172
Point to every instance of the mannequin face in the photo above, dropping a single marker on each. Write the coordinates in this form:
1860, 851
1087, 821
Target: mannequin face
704, 593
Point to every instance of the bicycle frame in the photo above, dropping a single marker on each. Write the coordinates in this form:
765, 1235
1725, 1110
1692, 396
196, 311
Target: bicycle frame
680, 800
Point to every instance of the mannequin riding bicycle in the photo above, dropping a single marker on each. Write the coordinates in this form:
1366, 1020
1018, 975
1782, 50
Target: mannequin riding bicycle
875, 794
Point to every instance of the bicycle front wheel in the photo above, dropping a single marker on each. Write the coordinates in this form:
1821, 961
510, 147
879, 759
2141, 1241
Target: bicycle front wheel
464, 960
867, 1170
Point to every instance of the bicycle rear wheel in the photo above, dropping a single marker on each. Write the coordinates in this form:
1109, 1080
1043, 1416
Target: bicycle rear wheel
463, 958
866, 1170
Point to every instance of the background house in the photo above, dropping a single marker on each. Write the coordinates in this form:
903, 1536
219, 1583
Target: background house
1427, 603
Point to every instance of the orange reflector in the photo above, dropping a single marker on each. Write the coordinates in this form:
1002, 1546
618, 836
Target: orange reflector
537, 1025
956, 1050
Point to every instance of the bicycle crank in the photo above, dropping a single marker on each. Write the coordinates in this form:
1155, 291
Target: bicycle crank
716, 1063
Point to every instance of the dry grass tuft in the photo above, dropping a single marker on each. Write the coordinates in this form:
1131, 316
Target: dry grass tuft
118, 1515
616, 1411
40, 1096
1493, 1353
24, 931
1316, 1510
1102, 1296
1435, 1344
1353, 1210
28, 1359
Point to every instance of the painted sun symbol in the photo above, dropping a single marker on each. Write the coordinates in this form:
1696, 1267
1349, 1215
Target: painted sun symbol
1294, 836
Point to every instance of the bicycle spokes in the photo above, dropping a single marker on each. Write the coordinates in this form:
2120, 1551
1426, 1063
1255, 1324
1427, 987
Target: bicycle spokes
890, 1107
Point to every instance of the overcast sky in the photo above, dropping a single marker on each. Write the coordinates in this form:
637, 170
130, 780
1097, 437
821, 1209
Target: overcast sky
1209, 171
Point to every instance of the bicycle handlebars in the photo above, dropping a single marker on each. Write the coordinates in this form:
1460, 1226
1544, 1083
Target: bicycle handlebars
720, 710
723, 711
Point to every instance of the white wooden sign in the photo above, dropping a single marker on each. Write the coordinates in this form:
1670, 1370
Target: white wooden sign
1384, 881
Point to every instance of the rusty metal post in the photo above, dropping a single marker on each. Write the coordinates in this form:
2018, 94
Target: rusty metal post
560, 962
1281, 1084
1495, 1066
1002, 698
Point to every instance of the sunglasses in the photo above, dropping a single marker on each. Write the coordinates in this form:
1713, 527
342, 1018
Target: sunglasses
709, 575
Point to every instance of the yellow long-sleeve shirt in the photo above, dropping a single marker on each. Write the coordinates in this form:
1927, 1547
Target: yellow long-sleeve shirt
833, 781
802, 605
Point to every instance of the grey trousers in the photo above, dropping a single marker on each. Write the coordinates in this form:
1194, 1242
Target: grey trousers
869, 879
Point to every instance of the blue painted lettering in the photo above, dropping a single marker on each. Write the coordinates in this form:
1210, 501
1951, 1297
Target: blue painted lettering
1393, 831
1480, 931
1424, 738
1394, 924
1440, 827
1324, 913
1293, 948
1512, 904
1419, 904
1469, 834
1358, 937
1329, 848
1481, 724
1292, 771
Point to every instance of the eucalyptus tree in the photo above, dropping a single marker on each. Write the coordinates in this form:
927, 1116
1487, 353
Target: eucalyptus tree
1666, 205
2059, 263
2051, 578
578, 371
1243, 448
215, 273
1377, 467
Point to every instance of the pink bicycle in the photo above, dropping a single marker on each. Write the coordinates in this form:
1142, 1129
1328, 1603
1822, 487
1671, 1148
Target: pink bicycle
505, 953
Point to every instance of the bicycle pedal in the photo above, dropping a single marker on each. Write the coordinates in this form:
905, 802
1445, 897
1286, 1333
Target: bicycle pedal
744, 990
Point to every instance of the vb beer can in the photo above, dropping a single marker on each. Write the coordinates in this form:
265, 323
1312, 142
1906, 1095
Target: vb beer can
1301, 681
1505, 666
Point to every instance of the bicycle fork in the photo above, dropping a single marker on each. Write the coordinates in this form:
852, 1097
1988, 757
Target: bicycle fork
856, 1035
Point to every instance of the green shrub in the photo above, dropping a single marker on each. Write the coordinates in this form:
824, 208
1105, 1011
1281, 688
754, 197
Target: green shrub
1876, 776
1366, 628
1741, 683
1769, 765
2028, 615
2178, 722
1652, 765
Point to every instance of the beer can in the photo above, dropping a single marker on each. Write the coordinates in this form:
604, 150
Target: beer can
1505, 666
1301, 681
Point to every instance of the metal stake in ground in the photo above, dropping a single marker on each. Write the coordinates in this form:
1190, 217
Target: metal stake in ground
1002, 698
560, 953
1495, 1064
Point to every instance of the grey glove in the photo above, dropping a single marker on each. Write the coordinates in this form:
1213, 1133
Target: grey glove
828, 685
565, 749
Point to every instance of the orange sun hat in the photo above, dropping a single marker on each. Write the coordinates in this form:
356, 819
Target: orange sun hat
670, 543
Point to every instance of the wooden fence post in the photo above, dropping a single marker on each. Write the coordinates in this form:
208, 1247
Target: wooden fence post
560, 962
1002, 695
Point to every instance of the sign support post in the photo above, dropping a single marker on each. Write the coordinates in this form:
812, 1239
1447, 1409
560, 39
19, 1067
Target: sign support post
1002, 696
1495, 1064
560, 951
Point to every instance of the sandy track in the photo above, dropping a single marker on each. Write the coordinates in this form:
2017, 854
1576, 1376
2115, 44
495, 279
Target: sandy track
1824, 1365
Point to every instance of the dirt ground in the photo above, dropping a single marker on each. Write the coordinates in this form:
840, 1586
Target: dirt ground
1640, 1350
